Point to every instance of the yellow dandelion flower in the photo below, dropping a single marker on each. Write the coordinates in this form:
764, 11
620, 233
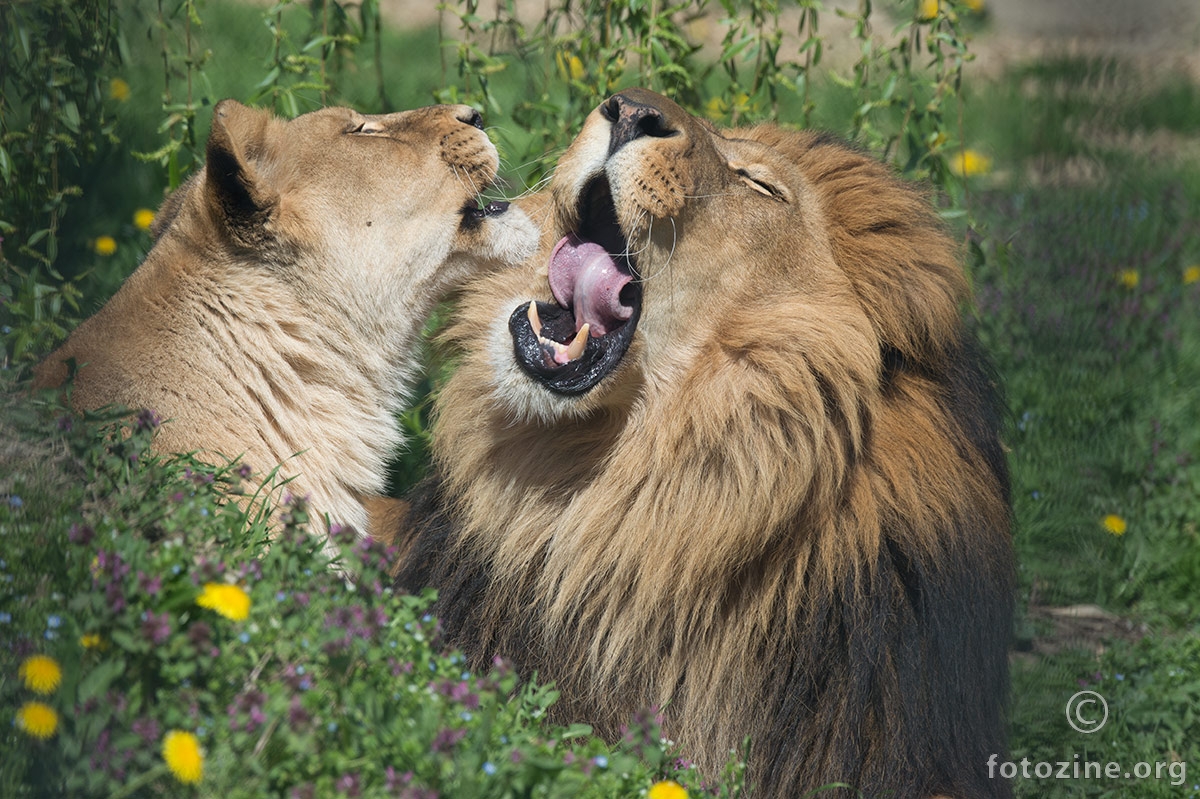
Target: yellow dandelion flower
184, 757
37, 719
975, 6
105, 245
143, 218
927, 10
1129, 278
90, 641
667, 789
41, 674
1114, 524
1191, 275
228, 600
715, 108
118, 90
969, 163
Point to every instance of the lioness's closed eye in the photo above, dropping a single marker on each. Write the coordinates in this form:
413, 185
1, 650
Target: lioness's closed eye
276, 316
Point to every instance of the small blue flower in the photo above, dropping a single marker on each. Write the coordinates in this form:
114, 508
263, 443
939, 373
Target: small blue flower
244, 638
54, 622
600, 761
15, 501
489, 768
51, 635
280, 596
1119, 676
5, 618
331, 726
465, 715
176, 569
300, 670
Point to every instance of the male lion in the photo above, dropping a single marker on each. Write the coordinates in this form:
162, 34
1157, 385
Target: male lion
277, 316
764, 490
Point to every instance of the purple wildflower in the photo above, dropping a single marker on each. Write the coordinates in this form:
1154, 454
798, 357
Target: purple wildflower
446, 740
156, 627
348, 785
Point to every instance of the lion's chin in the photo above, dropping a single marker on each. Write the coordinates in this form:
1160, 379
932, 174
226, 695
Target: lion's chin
567, 361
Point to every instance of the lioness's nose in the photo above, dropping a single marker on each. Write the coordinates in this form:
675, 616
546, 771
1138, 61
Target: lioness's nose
631, 120
469, 116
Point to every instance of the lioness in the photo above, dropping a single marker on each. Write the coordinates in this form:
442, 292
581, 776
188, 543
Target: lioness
277, 316
725, 447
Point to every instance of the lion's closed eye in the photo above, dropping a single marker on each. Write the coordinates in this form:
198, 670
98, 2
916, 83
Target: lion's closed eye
761, 184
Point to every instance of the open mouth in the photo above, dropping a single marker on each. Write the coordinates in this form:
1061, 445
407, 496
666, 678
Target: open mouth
572, 344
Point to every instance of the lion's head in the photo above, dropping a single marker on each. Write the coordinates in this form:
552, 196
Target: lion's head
725, 447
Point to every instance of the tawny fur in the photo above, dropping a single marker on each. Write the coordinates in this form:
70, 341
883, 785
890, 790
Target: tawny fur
784, 516
278, 315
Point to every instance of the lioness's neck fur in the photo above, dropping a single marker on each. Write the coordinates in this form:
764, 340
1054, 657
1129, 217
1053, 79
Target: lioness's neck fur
278, 315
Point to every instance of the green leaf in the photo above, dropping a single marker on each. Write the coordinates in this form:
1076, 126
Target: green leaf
96, 682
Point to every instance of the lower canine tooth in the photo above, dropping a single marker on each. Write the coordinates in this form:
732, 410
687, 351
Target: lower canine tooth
578, 344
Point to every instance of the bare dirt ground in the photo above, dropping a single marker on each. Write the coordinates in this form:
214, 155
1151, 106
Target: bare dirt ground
1156, 34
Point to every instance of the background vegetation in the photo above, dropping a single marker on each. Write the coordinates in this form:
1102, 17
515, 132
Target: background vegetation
1070, 182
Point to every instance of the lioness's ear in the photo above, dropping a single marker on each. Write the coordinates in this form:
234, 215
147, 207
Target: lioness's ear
234, 189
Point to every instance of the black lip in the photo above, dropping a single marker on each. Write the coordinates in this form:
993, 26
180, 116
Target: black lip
597, 223
600, 357
473, 214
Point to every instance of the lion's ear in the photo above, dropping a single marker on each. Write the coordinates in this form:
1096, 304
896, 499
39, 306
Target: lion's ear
235, 191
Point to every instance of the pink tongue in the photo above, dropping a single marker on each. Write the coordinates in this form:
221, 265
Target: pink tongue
586, 279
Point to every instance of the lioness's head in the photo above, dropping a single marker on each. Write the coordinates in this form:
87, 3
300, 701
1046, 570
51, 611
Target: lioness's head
372, 211
672, 234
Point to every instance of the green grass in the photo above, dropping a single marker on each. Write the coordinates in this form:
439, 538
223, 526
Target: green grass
1102, 375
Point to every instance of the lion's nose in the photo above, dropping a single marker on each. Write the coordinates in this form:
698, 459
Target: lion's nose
631, 120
